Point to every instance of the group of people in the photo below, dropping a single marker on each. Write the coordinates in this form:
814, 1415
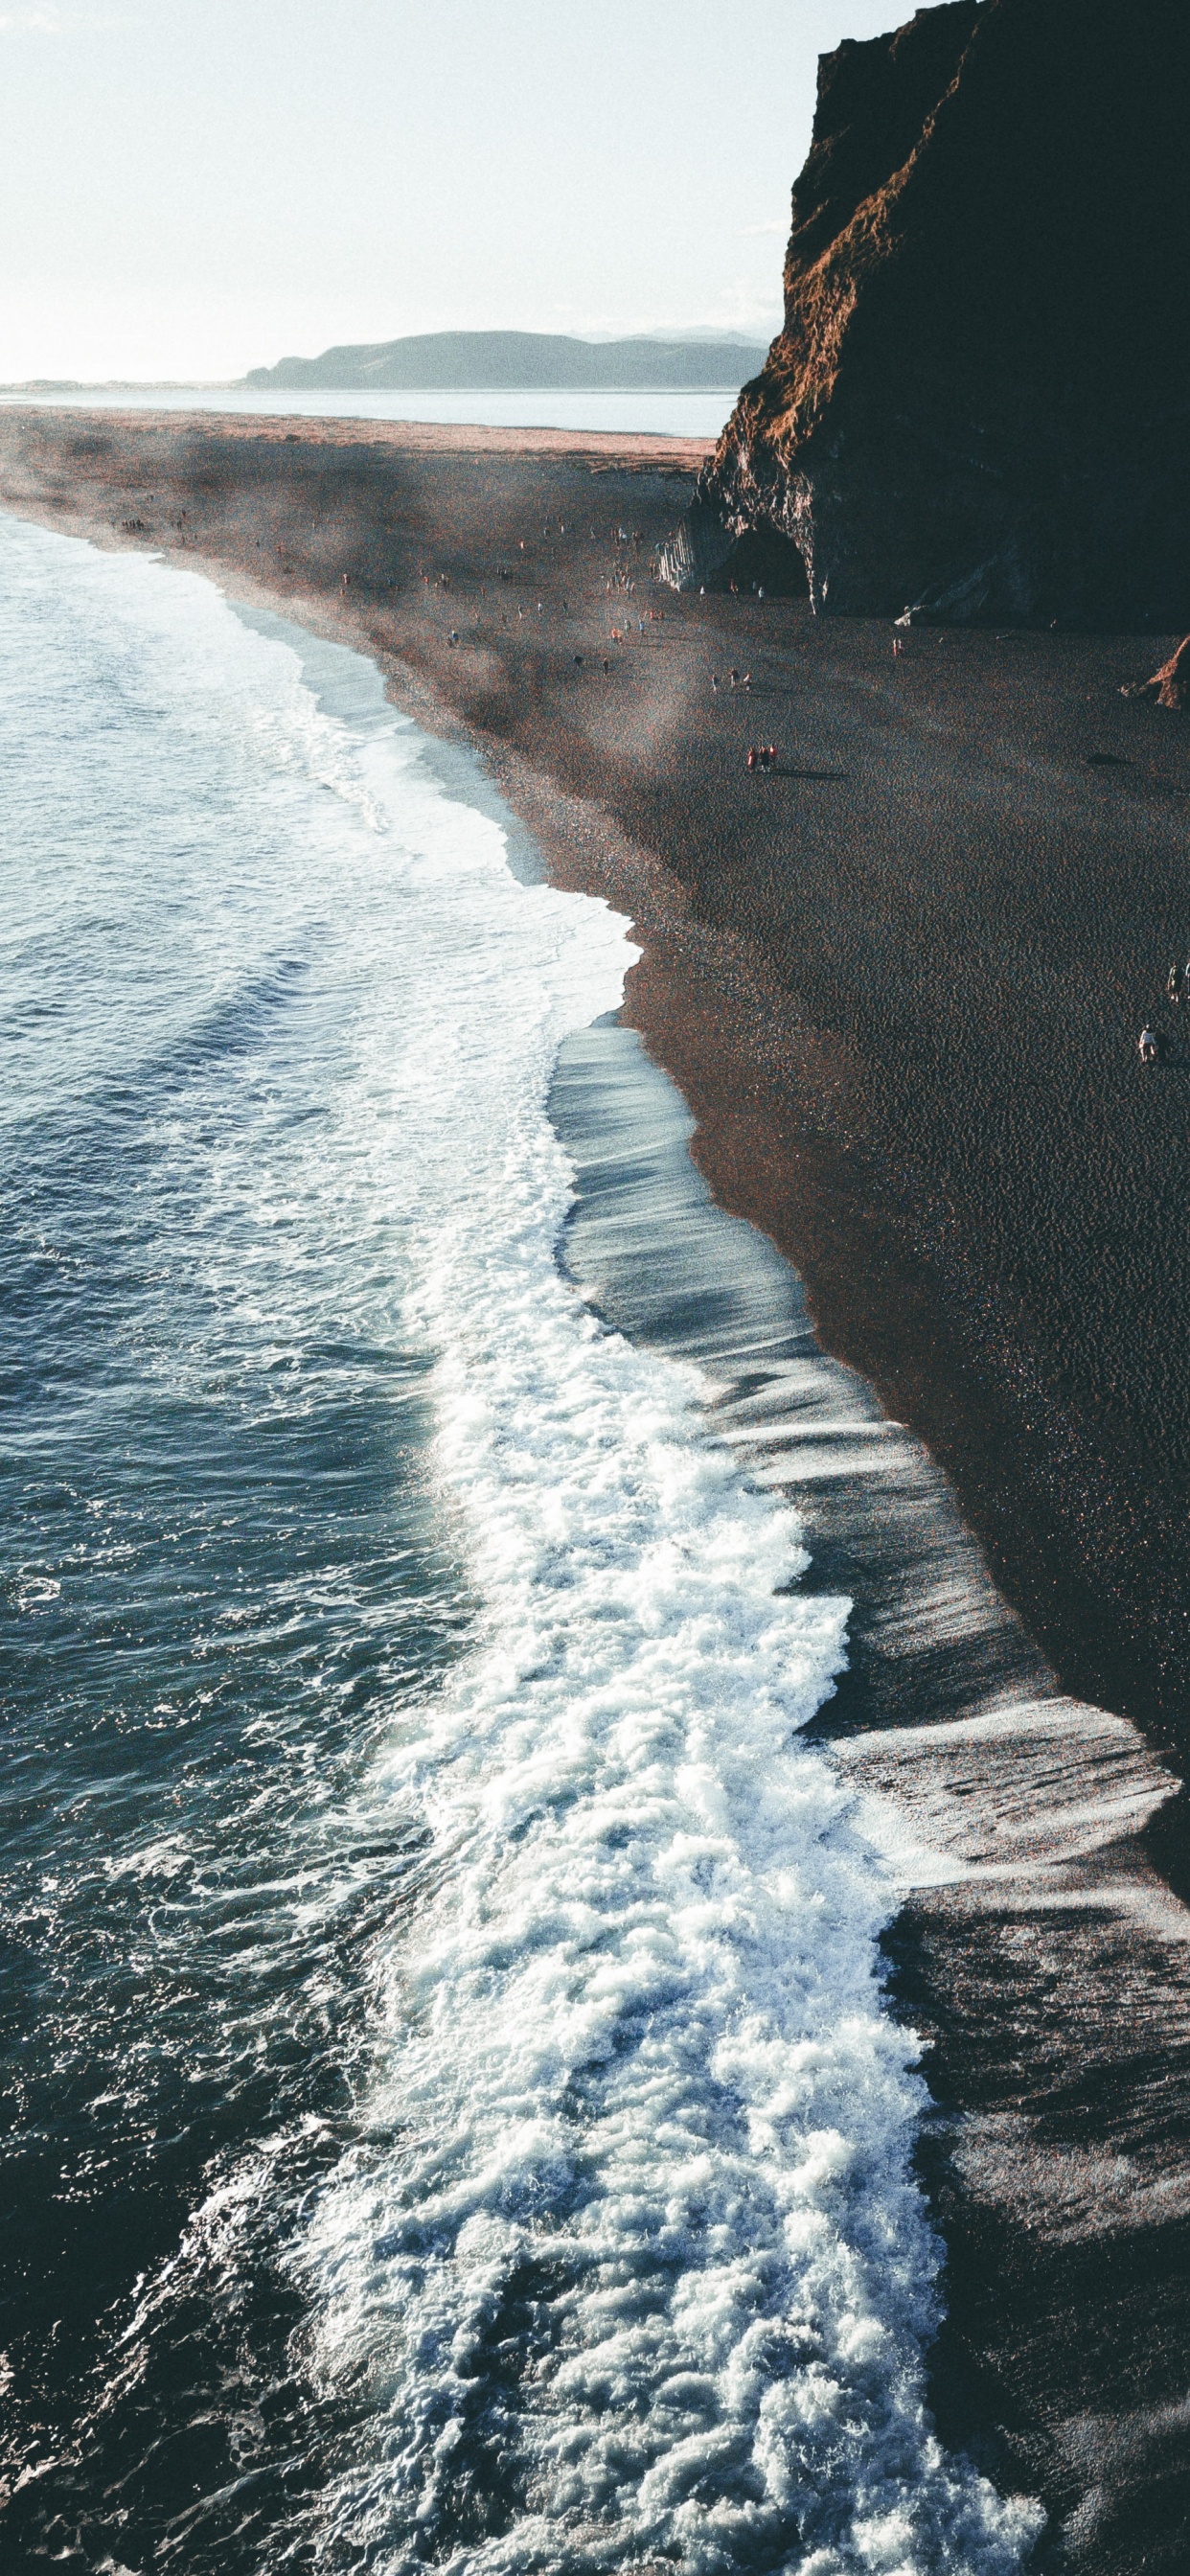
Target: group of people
1152, 1043
763, 755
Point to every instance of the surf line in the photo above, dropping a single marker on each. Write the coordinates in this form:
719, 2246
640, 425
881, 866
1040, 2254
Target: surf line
1010, 1816
630, 2229
981, 1786
946, 1726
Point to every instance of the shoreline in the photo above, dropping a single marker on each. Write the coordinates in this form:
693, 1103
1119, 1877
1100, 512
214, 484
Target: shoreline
1069, 1789
789, 1137
671, 452
847, 1152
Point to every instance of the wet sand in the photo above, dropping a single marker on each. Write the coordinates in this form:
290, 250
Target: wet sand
899, 982
1039, 1952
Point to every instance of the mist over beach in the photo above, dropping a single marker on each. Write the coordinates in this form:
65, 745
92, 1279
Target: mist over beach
592, 755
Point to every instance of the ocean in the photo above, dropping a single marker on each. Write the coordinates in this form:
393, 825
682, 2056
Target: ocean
452, 2114
657, 415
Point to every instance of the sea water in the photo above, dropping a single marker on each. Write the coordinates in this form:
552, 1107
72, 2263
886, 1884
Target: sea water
636, 414
451, 2114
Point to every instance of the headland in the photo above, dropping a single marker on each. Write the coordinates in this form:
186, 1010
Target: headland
977, 401
898, 974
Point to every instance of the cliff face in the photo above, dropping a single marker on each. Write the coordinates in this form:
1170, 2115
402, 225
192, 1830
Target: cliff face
980, 398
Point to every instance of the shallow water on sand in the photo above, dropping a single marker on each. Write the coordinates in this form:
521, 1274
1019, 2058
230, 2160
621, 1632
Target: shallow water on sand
451, 2113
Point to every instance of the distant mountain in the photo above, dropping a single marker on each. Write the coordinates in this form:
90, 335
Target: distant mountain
518, 361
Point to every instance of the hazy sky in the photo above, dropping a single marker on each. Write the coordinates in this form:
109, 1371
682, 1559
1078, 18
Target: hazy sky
192, 187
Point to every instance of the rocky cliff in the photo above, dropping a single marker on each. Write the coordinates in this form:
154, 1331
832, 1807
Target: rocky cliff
980, 398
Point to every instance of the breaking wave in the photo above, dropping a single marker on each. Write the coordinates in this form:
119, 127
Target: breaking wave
620, 2258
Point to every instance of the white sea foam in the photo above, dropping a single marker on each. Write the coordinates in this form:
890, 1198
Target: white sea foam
627, 2259
629, 2253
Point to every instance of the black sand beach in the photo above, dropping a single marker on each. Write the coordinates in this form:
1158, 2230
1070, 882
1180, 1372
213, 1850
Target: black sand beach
899, 978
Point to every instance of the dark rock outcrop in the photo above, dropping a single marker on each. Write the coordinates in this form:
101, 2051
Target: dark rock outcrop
979, 404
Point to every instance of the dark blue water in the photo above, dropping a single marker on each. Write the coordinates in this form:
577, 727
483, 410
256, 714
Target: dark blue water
221, 1568
450, 2117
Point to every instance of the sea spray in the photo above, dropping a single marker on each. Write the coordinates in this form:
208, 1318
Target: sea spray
636, 2262
640, 2263
621, 2258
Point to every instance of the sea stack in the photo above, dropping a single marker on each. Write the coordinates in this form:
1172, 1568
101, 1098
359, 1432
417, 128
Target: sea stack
979, 402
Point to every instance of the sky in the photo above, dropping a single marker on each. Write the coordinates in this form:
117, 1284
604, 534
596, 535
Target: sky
192, 187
